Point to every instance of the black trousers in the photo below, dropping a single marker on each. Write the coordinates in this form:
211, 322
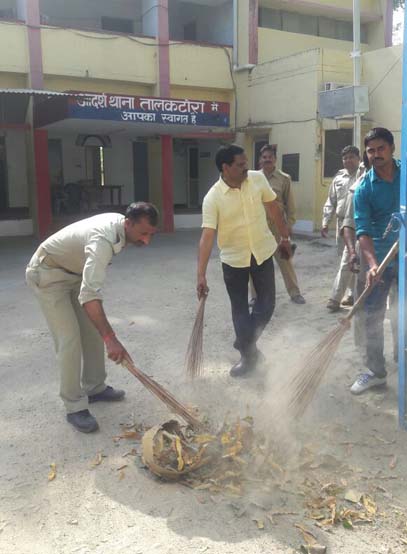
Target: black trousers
249, 325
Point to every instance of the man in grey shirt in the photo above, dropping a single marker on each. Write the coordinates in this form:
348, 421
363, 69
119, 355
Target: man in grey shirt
67, 272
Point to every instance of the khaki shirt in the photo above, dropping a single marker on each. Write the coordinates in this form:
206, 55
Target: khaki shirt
86, 248
281, 184
338, 190
349, 213
240, 219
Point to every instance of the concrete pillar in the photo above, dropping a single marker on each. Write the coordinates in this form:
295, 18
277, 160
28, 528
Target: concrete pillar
150, 18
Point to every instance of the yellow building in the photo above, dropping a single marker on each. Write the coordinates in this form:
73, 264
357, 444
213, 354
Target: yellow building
105, 102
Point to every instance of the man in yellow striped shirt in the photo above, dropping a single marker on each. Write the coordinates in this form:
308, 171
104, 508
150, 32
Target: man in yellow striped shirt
236, 209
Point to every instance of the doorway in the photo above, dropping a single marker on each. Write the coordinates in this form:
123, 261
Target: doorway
140, 171
192, 176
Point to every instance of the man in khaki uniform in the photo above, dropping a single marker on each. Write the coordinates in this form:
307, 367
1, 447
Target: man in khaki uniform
67, 273
281, 184
336, 204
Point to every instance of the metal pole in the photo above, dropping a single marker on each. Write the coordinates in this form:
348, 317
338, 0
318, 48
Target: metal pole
402, 254
357, 127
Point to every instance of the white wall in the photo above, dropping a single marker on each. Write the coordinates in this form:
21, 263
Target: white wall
17, 169
87, 13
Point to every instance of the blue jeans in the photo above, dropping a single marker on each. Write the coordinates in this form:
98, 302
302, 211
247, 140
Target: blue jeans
249, 326
375, 310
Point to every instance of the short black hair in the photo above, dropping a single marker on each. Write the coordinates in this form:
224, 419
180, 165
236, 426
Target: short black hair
350, 150
226, 155
268, 148
140, 210
379, 133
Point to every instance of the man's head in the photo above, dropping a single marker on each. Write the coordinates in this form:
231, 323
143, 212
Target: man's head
267, 160
379, 147
231, 161
350, 158
140, 224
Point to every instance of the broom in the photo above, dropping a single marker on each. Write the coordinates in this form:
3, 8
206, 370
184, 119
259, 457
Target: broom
162, 394
194, 355
304, 385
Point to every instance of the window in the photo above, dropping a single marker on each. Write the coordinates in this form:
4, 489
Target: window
117, 25
305, 24
335, 141
190, 31
291, 165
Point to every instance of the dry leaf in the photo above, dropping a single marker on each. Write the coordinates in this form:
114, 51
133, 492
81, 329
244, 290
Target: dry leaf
136, 435
122, 475
353, 496
122, 467
259, 523
313, 549
309, 538
97, 460
53, 472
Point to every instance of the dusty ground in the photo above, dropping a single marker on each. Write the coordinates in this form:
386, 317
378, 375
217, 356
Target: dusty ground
102, 509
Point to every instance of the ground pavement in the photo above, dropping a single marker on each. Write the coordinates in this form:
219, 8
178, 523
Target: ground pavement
102, 500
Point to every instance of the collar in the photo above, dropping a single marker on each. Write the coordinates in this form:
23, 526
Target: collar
375, 177
273, 173
225, 187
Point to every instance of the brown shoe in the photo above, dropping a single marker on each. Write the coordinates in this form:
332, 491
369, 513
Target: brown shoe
333, 305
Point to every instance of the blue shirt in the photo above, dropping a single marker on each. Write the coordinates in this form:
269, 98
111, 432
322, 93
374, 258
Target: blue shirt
375, 201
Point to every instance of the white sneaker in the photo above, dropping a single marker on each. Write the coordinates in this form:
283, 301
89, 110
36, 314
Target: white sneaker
367, 381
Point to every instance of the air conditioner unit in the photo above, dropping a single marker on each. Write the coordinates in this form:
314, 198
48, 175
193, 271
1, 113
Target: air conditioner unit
333, 86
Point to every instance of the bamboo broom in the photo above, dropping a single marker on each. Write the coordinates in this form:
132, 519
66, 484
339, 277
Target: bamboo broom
194, 355
165, 396
306, 381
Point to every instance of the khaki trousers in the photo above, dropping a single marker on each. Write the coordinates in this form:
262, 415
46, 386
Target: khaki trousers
286, 268
79, 347
345, 279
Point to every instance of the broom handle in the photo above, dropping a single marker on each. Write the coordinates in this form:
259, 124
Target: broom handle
158, 390
391, 254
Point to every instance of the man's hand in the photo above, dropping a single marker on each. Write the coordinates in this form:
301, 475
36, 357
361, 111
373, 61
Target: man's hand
115, 350
324, 232
202, 288
284, 249
372, 278
354, 262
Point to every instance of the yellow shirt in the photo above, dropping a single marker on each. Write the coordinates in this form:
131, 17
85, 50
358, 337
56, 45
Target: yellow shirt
240, 219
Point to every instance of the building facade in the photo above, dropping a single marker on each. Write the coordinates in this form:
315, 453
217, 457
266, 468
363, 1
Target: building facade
104, 102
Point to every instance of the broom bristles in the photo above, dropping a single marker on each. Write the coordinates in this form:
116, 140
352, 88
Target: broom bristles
305, 383
164, 395
194, 355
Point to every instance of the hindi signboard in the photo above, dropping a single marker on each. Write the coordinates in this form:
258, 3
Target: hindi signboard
145, 109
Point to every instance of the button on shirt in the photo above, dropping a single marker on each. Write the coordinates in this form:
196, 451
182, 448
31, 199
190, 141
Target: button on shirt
240, 219
375, 201
86, 248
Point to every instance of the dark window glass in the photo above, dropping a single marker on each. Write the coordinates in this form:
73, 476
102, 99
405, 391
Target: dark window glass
117, 25
335, 141
291, 165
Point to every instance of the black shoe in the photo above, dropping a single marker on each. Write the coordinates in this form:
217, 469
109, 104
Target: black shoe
108, 395
83, 421
242, 367
298, 299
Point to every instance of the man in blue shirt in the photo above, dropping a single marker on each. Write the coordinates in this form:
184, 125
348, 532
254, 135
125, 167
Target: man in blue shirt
376, 198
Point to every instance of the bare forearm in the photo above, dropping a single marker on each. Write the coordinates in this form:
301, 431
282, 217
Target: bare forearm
96, 313
349, 238
367, 247
205, 249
